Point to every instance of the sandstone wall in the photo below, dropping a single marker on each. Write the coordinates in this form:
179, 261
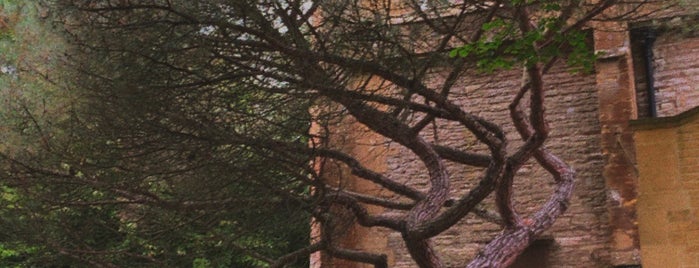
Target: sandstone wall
676, 71
579, 238
589, 117
668, 164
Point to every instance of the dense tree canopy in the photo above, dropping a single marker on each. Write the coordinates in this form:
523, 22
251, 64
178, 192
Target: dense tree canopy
180, 133
104, 174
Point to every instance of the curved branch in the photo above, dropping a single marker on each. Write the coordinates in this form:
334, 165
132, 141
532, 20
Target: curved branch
359, 170
422, 252
388, 126
466, 203
378, 260
373, 200
363, 216
503, 250
461, 157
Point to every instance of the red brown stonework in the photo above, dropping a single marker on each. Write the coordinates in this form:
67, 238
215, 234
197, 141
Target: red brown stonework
579, 237
616, 93
676, 72
589, 117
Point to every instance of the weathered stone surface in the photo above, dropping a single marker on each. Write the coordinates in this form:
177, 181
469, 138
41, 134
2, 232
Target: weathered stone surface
579, 237
589, 117
668, 163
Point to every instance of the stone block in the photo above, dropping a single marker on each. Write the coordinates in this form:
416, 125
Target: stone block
660, 256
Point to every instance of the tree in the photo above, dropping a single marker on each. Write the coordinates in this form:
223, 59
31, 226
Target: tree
99, 185
171, 95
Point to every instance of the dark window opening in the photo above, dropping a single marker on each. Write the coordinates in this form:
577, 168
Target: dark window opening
642, 40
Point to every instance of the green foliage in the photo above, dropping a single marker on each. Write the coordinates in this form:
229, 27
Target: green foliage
581, 57
28, 53
99, 172
201, 263
503, 46
488, 50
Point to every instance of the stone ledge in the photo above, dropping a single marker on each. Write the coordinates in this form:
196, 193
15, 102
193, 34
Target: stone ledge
608, 54
664, 122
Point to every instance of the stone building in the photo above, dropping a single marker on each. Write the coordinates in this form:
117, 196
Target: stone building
636, 199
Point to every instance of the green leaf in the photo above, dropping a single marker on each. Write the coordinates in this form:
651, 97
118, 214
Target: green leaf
453, 53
